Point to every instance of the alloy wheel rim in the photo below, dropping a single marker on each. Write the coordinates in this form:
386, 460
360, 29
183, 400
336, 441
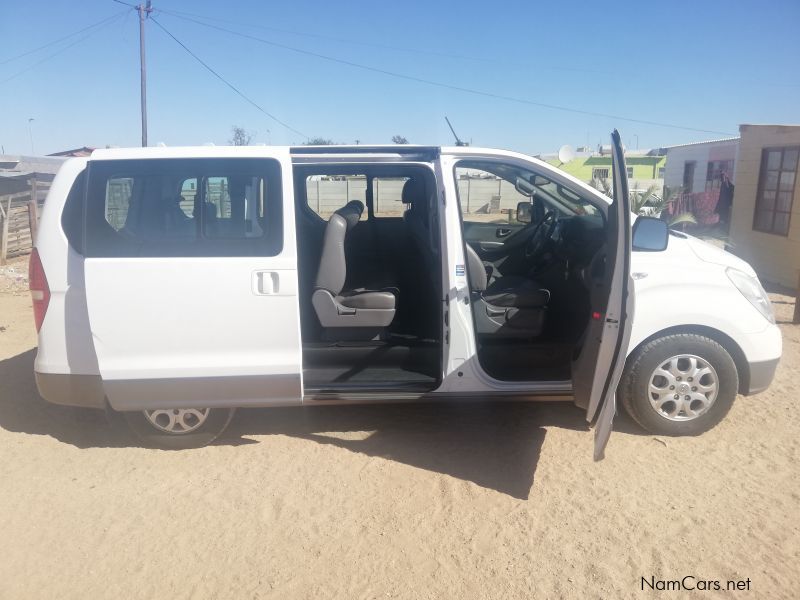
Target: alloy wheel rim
177, 420
683, 387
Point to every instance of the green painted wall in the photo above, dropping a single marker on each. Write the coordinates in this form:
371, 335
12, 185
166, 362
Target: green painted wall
644, 167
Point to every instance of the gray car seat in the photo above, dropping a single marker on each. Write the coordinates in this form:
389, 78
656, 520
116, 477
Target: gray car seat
357, 313
508, 307
416, 218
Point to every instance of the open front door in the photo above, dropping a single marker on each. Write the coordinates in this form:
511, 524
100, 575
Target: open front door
598, 368
191, 278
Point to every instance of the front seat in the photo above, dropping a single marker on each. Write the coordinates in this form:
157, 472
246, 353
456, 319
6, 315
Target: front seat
359, 314
507, 307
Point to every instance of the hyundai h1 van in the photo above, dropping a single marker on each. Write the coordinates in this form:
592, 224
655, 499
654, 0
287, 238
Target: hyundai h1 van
176, 284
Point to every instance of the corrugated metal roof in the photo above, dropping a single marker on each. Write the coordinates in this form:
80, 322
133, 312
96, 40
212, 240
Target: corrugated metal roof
21, 163
15, 174
730, 139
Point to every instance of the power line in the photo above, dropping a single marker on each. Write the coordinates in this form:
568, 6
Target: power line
428, 52
64, 49
451, 86
61, 39
226, 82
320, 36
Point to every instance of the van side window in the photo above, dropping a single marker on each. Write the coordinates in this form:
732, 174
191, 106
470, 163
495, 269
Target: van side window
234, 207
387, 196
326, 194
486, 197
184, 207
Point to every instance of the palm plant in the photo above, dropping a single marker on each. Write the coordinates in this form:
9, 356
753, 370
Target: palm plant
649, 203
660, 204
602, 185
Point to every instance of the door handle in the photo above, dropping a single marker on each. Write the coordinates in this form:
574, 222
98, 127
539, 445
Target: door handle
503, 232
267, 283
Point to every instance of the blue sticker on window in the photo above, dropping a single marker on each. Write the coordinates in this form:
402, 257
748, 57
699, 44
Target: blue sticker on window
459, 270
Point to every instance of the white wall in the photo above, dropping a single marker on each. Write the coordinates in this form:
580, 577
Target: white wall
700, 153
775, 257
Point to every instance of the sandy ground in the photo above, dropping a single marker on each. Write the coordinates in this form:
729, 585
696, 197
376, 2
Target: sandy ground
461, 501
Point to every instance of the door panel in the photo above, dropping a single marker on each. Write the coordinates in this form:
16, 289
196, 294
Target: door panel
489, 238
598, 367
172, 328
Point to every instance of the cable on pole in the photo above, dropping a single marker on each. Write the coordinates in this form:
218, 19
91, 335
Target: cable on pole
226, 82
65, 48
63, 38
453, 87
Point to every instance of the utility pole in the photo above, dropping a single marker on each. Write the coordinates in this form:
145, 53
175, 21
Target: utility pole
144, 10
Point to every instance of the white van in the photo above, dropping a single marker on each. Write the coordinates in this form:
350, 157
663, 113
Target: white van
176, 284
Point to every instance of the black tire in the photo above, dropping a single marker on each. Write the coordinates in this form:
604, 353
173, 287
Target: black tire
633, 389
216, 422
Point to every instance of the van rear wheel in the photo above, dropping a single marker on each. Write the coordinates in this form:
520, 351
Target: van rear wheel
681, 384
179, 428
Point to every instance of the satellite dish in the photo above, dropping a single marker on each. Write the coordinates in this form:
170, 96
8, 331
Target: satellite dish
565, 153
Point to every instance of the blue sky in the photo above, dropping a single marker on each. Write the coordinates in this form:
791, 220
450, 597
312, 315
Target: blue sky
700, 64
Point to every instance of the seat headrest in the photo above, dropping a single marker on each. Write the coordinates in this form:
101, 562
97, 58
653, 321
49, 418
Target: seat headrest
351, 212
413, 191
208, 209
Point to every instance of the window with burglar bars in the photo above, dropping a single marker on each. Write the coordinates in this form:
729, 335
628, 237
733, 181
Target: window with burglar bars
776, 185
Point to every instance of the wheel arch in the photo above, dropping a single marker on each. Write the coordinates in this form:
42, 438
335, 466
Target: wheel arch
724, 340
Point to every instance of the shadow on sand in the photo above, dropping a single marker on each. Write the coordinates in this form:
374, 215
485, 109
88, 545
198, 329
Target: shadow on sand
494, 445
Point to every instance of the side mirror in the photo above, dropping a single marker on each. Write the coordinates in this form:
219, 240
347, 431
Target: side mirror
650, 234
524, 212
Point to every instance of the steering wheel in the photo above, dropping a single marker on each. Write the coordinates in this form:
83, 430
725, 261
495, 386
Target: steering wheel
537, 243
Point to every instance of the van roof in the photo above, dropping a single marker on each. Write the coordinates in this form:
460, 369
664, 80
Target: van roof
396, 150
388, 152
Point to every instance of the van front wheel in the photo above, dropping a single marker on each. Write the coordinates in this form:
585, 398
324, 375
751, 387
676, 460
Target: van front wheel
179, 428
681, 384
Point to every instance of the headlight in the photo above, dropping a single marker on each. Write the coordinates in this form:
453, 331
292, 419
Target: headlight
750, 287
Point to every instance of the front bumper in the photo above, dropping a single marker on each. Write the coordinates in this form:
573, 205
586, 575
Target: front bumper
761, 376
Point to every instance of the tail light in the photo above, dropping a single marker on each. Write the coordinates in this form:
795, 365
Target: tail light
40, 291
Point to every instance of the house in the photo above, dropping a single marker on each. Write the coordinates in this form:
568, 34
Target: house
645, 167
16, 171
19, 177
698, 167
765, 226
703, 174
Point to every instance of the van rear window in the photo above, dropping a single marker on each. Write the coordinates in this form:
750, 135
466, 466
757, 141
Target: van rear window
184, 207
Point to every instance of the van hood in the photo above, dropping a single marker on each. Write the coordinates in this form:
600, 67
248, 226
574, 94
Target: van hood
715, 255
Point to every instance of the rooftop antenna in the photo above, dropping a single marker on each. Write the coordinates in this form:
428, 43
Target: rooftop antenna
455, 135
